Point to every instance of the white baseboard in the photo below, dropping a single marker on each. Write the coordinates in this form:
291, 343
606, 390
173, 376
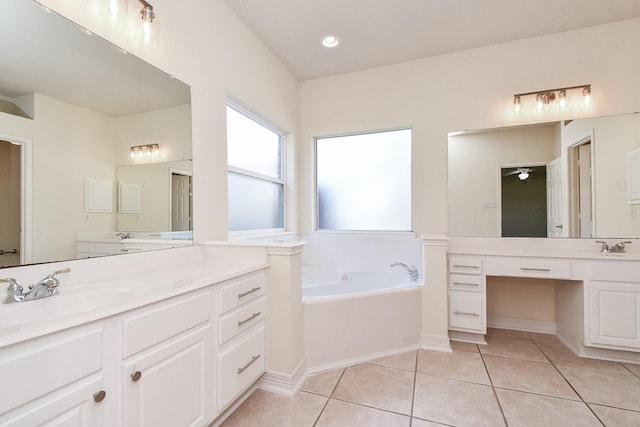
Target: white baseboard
435, 342
360, 359
284, 384
527, 325
468, 337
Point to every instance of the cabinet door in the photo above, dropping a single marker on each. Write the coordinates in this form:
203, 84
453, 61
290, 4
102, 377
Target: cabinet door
170, 384
615, 314
77, 405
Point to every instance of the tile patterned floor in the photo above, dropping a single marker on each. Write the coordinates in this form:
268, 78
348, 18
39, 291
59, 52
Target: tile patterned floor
518, 379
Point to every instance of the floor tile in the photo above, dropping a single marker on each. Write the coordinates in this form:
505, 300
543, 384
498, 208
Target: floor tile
616, 417
633, 367
454, 402
464, 346
406, 361
560, 355
525, 375
273, 410
417, 422
538, 335
322, 383
458, 365
604, 388
506, 333
507, 346
377, 386
341, 414
525, 409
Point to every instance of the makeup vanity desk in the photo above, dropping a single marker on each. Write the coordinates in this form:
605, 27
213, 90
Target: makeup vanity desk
597, 296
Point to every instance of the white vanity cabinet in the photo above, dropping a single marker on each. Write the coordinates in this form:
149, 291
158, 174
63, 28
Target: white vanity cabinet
55, 380
241, 336
613, 301
467, 301
167, 362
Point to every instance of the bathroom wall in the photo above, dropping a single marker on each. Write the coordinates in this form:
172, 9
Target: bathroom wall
471, 89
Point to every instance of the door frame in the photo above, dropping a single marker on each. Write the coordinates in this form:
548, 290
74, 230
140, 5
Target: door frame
175, 171
26, 195
573, 183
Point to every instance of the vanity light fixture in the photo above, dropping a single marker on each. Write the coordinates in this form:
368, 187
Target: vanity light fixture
330, 41
114, 10
146, 151
544, 99
147, 12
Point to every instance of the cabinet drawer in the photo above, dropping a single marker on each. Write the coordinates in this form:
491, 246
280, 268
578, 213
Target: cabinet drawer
468, 265
534, 268
151, 325
240, 291
466, 312
240, 366
37, 367
237, 321
621, 271
465, 282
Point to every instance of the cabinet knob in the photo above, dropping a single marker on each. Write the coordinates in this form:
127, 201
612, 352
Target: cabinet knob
99, 396
136, 376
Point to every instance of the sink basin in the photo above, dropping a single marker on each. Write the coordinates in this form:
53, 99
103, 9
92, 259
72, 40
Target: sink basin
70, 301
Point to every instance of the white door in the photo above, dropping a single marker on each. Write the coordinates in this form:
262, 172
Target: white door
555, 220
615, 314
180, 202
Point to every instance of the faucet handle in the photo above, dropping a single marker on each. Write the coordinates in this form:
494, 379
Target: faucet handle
604, 247
13, 284
62, 271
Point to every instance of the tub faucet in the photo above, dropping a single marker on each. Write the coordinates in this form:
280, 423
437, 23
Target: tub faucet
43, 289
413, 271
124, 236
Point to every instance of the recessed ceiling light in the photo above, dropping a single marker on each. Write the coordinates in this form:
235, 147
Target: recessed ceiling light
330, 41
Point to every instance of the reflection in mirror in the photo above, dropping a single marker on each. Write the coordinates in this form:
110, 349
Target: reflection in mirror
579, 180
71, 107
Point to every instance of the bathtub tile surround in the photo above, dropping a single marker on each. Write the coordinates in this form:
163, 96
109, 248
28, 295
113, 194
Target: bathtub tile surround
496, 390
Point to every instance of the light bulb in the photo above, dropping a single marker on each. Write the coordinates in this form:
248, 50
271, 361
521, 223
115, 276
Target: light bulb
562, 100
539, 102
586, 92
516, 104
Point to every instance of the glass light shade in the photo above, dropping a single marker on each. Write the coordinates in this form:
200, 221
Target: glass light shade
114, 10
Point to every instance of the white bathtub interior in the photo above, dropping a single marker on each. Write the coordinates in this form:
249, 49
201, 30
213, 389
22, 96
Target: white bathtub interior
357, 307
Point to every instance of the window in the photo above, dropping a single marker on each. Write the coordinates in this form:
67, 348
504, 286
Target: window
363, 182
255, 172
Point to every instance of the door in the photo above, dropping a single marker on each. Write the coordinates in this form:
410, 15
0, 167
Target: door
180, 202
580, 189
615, 314
555, 220
10, 207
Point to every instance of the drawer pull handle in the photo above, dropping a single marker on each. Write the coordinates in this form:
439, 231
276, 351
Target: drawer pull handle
466, 266
253, 359
544, 270
136, 376
99, 396
248, 319
462, 313
466, 284
250, 291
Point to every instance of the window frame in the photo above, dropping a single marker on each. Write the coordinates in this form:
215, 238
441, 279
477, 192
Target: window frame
256, 232
316, 219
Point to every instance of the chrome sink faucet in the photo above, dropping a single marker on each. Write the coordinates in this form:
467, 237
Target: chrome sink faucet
617, 248
43, 289
413, 271
124, 236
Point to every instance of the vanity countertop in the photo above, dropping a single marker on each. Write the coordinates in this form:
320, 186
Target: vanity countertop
545, 253
93, 300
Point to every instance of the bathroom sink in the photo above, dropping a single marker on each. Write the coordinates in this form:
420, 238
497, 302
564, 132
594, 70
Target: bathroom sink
631, 256
69, 302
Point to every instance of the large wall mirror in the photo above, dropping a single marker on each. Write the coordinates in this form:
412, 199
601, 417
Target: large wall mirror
575, 178
72, 105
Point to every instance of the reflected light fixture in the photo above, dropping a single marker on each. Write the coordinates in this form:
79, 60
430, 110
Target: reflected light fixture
114, 10
148, 15
146, 151
524, 174
545, 99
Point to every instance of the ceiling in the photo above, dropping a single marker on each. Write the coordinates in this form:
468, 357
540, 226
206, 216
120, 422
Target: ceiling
381, 32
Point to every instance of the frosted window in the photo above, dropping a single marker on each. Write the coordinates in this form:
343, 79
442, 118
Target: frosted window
256, 187
254, 203
364, 181
252, 146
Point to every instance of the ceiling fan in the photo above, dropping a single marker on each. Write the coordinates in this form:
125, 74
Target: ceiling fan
522, 173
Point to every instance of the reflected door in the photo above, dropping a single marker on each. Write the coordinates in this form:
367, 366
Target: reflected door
10, 206
180, 202
555, 220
